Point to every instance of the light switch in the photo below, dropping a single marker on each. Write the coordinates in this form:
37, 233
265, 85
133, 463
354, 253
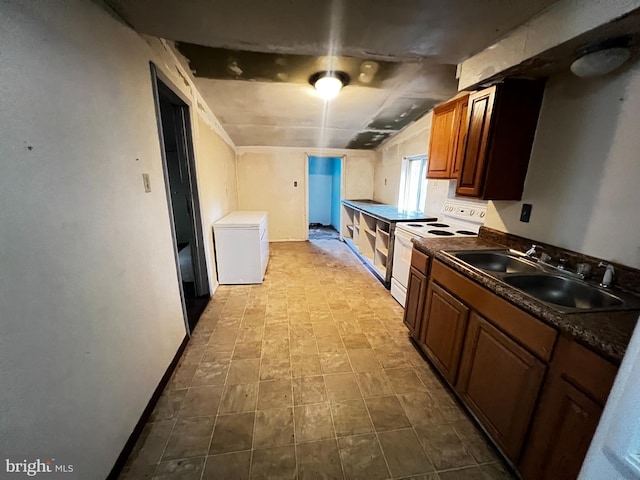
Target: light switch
147, 183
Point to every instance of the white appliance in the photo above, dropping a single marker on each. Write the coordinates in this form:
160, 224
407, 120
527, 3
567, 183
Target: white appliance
459, 219
615, 450
242, 247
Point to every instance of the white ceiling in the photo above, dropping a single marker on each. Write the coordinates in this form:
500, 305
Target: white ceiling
268, 101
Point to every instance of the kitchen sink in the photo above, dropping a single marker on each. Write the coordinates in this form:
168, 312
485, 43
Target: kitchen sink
563, 291
496, 261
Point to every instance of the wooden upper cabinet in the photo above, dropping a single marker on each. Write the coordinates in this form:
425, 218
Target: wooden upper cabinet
445, 139
462, 138
442, 330
502, 121
499, 381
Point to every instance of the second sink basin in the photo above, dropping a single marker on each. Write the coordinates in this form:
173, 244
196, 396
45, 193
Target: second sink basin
496, 262
563, 291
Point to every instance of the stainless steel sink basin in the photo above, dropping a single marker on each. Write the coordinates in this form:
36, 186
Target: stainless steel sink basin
564, 291
496, 261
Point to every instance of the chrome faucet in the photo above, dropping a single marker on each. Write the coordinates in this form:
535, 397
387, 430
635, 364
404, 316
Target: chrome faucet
533, 250
607, 278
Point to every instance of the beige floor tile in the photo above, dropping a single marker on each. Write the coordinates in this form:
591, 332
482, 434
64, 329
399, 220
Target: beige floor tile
374, 383
246, 350
210, 373
308, 390
274, 463
363, 360
238, 398
444, 447
351, 417
342, 386
190, 438
362, 458
405, 380
244, 371
319, 460
184, 469
274, 368
403, 453
305, 365
232, 433
386, 413
273, 428
201, 402
355, 341
335, 362
275, 394
313, 422
229, 466
469, 473
169, 405
421, 409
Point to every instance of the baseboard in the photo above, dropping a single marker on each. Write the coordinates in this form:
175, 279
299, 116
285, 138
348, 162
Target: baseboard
146, 414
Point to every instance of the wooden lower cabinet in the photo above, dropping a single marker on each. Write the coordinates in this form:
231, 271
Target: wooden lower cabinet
414, 307
538, 395
499, 381
568, 413
443, 327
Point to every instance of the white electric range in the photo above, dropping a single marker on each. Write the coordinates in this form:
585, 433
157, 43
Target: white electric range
459, 219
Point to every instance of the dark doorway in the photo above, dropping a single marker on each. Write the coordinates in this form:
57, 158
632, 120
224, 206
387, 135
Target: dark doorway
182, 195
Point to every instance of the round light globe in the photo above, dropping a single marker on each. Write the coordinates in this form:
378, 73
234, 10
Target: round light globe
328, 87
600, 62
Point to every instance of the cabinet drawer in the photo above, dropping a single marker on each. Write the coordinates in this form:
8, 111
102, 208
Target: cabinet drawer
420, 261
530, 332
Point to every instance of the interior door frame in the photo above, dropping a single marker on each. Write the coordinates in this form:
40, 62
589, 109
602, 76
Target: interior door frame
342, 158
162, 86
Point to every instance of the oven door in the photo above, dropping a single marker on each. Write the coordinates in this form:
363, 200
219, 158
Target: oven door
402, 256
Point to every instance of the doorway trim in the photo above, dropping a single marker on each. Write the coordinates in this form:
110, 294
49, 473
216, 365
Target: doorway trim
343, 159
162, 86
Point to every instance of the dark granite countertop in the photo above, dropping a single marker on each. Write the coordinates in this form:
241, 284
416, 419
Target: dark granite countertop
387, 213
607, 333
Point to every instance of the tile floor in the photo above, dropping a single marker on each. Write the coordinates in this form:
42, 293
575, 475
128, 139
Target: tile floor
310, 375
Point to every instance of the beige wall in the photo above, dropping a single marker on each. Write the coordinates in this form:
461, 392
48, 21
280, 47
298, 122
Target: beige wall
265, 182
412, 140
90, 310
584, 170
218, 189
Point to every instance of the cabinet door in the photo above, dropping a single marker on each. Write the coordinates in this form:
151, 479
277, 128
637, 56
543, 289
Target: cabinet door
564, 426
462, 137
442, 330
499, 381
415, 301
441, 147
471, 174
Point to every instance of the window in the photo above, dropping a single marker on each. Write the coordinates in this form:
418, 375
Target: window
413, 185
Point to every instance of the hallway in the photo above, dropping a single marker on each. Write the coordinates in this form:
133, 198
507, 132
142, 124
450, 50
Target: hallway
309, 375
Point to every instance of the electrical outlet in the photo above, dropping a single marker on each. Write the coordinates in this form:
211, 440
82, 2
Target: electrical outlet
525, 214
295, 184
146, 182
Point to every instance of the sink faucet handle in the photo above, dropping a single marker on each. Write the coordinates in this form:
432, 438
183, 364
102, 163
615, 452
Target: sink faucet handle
583, 269
562, 263
533, 250
607, 278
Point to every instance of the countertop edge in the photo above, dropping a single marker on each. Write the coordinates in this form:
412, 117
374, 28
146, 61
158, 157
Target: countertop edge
370, 208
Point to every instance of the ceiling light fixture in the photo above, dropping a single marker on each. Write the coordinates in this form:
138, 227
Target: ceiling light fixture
602, 58
328, 84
